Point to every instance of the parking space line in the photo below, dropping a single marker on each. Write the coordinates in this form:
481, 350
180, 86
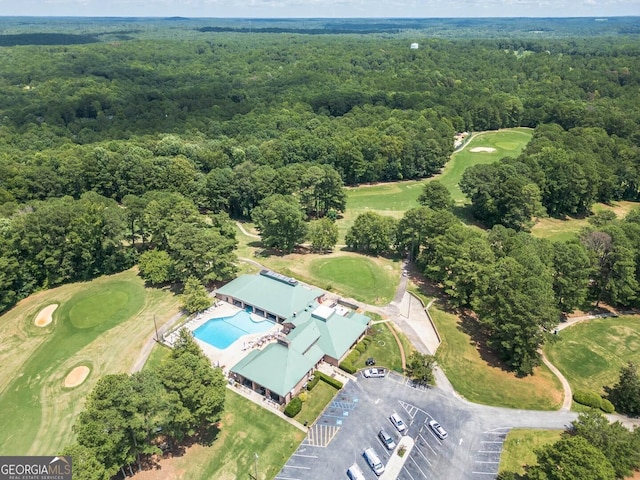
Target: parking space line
485, 461
295, 466
424, 441
424, 456
418, 467
408, 472
286, 478
306, 456
485, 473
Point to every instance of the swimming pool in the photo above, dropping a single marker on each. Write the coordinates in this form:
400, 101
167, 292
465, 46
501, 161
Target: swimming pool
222, 332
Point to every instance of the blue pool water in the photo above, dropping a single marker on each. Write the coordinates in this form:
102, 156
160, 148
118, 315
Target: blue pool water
222, 332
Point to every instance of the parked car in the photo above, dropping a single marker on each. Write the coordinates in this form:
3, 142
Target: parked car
438, 430
355, 472
374, 461
397, 422
387, 440
370, 361
374, 373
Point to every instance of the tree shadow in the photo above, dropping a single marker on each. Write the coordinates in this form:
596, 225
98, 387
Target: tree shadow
479, 340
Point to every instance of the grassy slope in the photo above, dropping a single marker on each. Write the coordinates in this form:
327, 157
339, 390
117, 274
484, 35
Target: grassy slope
590, 354
36, 411
246, 428
518, 449
481, 382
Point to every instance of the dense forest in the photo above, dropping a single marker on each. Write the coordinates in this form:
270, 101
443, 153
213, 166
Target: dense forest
140, 145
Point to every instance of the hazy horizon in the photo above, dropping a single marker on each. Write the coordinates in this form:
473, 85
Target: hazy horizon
300, 9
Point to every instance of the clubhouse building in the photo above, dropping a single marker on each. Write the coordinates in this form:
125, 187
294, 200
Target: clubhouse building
313, 332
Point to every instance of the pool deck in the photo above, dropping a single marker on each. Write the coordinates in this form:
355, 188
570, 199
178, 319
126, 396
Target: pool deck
235, 352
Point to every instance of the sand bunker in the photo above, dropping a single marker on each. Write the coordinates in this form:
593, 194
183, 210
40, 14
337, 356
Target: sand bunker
76, 377
482, 149
45, 317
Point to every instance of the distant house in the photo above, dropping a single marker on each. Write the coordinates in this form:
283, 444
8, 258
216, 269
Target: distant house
316, 332
414, 46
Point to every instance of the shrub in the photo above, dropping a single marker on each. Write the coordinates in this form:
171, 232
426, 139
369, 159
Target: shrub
348, 367
330, 380
303, 396
588, 398
361, 347
313, 383
607, 406
352, 357
293, 408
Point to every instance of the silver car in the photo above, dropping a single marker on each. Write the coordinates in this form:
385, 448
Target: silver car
438, 430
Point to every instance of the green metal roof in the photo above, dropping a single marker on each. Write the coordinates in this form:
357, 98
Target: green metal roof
338, 333
276, 367
274, 296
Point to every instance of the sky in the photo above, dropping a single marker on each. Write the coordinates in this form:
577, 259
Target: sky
321, 8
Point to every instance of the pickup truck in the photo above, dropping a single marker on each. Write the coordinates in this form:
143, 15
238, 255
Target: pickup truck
374, 372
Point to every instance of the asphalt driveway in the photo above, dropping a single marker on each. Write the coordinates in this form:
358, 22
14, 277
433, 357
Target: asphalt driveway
351, 422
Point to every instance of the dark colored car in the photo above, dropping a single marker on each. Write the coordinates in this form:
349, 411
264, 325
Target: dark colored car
370, 361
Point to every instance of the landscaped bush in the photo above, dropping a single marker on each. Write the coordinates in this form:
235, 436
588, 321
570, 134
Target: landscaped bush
330, 380
361, 347
590, 399
607, 406
348, 367
303, 396
353, 357
313, 382
293, 408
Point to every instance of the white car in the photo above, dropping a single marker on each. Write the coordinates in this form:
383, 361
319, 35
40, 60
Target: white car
373, 373
397, 422
438, 430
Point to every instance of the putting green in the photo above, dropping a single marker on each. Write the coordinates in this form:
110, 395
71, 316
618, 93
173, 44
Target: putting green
94, 310
355, 276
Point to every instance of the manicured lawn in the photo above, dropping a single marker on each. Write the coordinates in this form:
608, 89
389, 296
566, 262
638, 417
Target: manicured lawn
100, 324
590, 354
384, 348
507, 143
317, 400
357, 277
518, 448
246, 429
483, 382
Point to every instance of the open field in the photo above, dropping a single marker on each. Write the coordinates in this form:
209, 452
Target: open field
482, 380
518, 448
506, 143
99, 324
590, 354
246, 429
565, 229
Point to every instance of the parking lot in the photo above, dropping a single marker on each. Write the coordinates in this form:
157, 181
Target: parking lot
351, 422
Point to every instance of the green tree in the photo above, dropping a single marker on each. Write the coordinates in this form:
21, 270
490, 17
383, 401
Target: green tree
281, 222
195, 297
571, 458
323, 234
156, 267
420, 368
85, 464
625, 394
619, 445
572, 268
436, 196
198, 388
372, 233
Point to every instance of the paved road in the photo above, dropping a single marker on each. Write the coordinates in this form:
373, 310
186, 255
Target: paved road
351, 422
